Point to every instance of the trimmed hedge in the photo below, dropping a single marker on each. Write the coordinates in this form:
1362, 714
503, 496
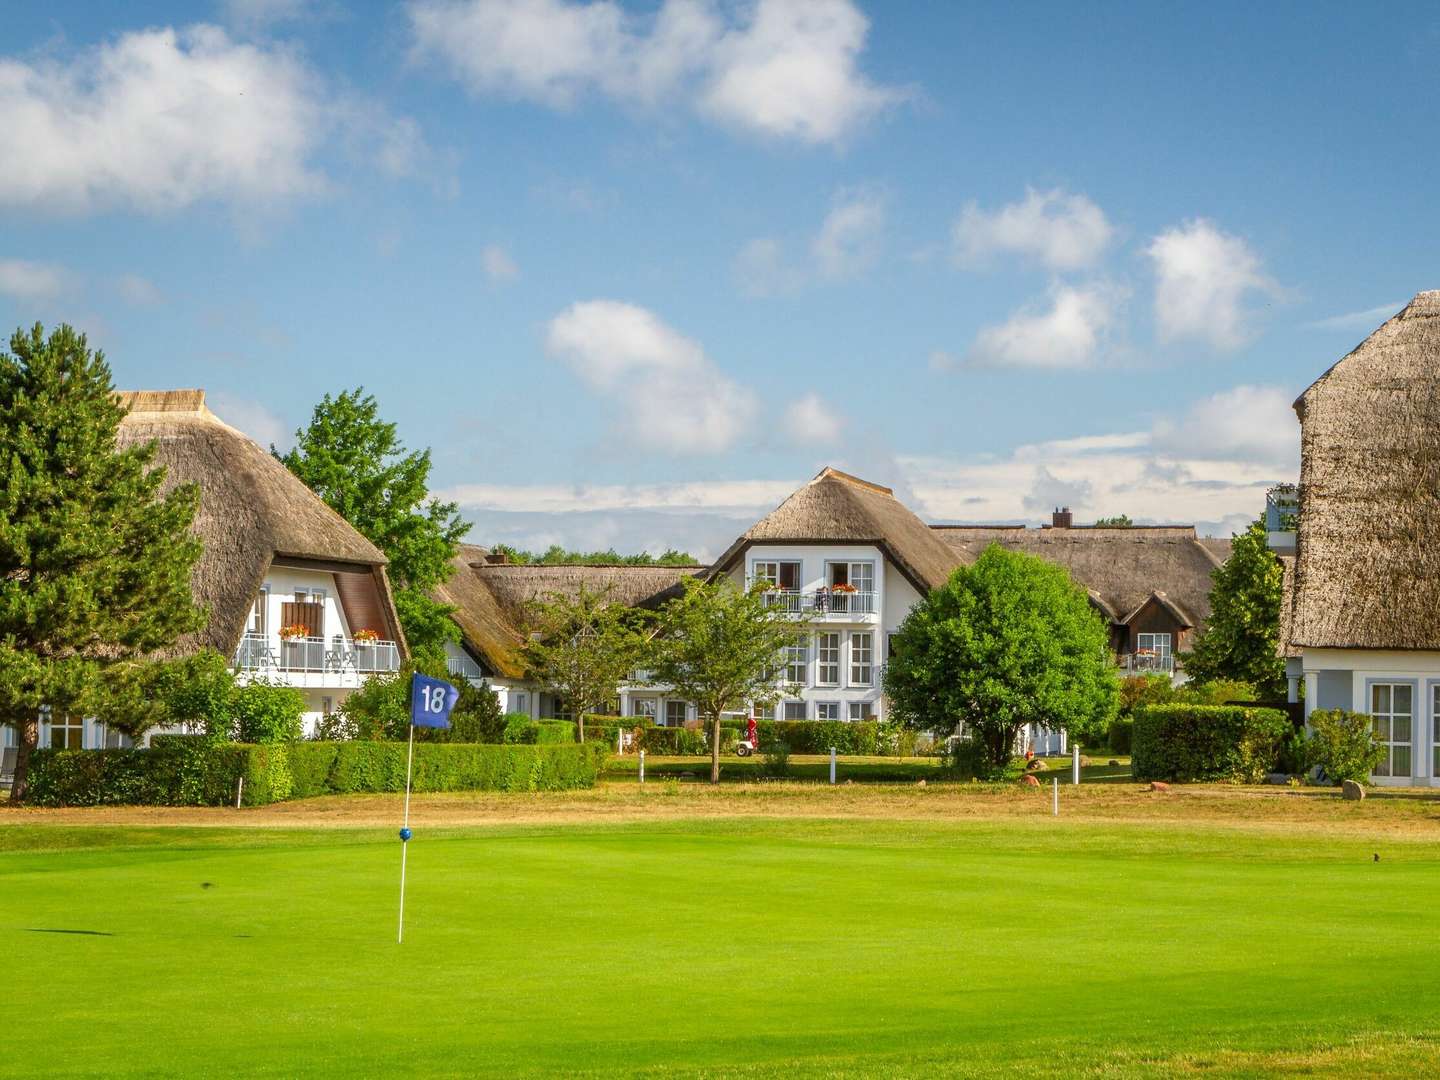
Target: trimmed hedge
521, 729
1207, 742
1120, 736
855, 737
196, 772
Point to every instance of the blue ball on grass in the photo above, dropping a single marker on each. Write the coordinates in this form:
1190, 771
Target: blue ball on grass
404, 834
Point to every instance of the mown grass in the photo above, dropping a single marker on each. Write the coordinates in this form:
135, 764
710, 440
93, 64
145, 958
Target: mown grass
718, 944
856, 768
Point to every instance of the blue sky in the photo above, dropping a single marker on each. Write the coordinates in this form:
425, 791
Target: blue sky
636, 272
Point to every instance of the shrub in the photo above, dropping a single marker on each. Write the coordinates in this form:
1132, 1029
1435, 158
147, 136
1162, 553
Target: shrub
970, 759
187, 770
552, 732
681, 741
1206, 742
267, 714
1121, 734
777, 759
1343, 745
520, 729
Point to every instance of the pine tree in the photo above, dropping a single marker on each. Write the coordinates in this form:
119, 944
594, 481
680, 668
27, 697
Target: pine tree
355, 462
1241, 636
94, 562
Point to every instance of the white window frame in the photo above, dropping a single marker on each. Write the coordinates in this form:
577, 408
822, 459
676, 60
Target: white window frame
651, 712
70, 724
821, 664
851, 565
786, 708
1384, 721
797, 658
861, 710
520, 702
259, 621
771, 571
822, 707
684, 707
868, 666
1159, 644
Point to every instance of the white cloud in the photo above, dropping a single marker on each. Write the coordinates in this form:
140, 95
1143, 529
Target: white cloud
32, 282
497, 263
810, 421
1246, 423
1205, 280
782, 68
253, 418
666, 391
849, 237
1369, 319
715, 496
139, 291
161, 119
1070, 333
1059, 230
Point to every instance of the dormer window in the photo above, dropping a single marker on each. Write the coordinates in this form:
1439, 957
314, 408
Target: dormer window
783, 575
856, 576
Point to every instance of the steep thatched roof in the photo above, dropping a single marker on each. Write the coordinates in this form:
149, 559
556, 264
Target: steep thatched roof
252, 509
1367, 569
837, 507
1120, 568
492, 600
1287, 604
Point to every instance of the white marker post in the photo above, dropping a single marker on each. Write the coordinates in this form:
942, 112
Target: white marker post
1055, 805
405, 835
832, 765
642, 766
1075, 757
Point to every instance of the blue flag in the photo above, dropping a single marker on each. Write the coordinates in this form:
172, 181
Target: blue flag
431, 701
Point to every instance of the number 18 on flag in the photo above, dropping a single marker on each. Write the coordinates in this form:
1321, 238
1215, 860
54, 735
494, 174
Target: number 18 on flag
431, 701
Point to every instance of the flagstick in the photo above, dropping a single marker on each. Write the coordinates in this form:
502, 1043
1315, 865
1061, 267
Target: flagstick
405, 835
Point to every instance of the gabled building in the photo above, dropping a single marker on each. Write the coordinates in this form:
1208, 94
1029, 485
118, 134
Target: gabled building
1365, 584
295, 595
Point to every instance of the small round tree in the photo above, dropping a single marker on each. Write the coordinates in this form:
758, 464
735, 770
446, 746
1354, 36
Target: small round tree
1009, 641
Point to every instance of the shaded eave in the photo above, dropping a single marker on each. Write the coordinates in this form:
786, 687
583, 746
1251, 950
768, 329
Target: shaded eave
727, 561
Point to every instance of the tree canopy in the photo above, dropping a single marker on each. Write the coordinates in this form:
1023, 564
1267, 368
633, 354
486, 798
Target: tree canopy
582, 648
95, 561
722, 648
1241, 637
555, 555
1009, 641
354, 460
1119, 521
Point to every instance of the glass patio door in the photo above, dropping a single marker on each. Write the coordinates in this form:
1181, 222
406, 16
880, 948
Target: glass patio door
1392, 711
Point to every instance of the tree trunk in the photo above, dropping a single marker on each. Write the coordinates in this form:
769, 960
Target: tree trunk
580, 724
29, 737
715, 751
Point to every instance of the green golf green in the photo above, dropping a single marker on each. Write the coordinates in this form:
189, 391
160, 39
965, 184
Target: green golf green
722, 946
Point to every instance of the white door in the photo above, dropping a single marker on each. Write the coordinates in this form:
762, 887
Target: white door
1392, 711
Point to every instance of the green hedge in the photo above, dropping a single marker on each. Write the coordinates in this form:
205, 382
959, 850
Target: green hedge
1120, 736
1207, 742
521, 729
857, 737
196, 772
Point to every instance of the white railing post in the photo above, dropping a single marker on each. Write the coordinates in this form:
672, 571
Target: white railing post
642, 766
832, 765
1075, 758
1055, 805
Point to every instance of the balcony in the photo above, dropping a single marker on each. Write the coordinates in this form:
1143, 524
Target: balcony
463, 667
1146, 661
316, 656
822, 602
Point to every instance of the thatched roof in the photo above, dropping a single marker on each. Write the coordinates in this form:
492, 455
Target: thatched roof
492, 600
837, 507
1287, 603
1121, 568
1367, 571
252, 510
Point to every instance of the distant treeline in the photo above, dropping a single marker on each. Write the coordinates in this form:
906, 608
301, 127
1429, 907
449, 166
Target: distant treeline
556, 555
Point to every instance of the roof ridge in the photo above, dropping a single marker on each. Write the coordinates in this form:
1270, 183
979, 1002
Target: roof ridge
829, 472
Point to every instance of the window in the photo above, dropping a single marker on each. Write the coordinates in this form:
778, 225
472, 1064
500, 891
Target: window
675, 712
643, 706
762, 712
1392, 712
1155, 649
520, 703
862, 710
257, 622
862, 659
327, 706
828, 653
858, 575
827, 710
1435, 714
67, 732
794, 710
797, 661
784, 574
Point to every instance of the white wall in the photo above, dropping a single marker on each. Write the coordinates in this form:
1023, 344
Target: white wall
282, 582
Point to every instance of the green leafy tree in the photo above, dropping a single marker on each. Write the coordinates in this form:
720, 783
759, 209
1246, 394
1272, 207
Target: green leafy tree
555, 555
1241, 638
94, 561
1119, 521
1009, 641
354, 460
380, 709
582, 648
722, 648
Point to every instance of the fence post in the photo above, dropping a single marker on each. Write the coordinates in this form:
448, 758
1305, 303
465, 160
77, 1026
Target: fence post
1075, 757
1055, 805
832, 765
642, 766
239, 791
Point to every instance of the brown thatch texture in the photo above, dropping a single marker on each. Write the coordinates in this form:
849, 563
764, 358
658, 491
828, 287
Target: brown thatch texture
492, 601
1367, 569
1287, 603
836, 507
1120, 568
252, 509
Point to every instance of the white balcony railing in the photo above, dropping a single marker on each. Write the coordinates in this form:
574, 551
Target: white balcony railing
1149, 661
463, 667
822, 602
261, 652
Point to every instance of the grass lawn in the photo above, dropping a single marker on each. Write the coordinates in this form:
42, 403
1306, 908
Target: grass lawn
1250, 941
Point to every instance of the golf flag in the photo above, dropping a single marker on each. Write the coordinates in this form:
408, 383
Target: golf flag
431, 701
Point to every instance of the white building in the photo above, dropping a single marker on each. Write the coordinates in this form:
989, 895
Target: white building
1364, 587
295, 595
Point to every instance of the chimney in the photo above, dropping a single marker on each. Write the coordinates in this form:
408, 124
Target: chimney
496, 558
1061, 518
